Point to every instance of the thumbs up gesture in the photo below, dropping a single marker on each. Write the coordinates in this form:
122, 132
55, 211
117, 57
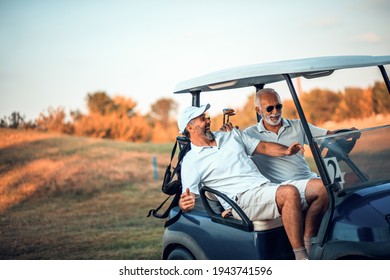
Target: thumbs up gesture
187, 201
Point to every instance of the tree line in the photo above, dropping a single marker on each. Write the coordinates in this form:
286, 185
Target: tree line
118, 118
107, 117
321, 105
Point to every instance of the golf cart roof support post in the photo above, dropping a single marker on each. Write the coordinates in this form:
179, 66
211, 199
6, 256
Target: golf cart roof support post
322, 234
195, 98
385, 77
306, 128
258, 87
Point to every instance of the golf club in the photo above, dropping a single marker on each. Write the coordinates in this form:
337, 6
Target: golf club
227, 112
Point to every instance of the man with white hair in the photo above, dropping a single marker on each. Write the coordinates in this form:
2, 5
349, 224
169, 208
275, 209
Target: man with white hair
282, 170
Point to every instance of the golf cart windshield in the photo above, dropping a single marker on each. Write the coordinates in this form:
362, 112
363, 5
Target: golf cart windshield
357, 158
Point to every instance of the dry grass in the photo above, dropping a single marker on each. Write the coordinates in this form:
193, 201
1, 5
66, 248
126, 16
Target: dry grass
78, 198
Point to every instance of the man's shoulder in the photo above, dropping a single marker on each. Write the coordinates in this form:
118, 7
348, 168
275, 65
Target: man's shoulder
293, 121
249, 128
189, 155
297, 124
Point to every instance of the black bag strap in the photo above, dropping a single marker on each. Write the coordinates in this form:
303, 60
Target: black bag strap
154, 211
173, 219
170, 163
164, 215
173, 152
184, 147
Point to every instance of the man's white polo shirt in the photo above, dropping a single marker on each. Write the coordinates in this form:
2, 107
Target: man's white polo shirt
226, 167
280, 169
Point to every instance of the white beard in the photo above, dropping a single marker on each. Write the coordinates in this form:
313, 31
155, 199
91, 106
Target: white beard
206, 132
268, 119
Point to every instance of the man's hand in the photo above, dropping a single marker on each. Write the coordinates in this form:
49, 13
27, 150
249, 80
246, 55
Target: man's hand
294, 148
335, 131
187, 201
227, 127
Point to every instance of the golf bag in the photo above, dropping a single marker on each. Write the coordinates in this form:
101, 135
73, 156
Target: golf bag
172, 181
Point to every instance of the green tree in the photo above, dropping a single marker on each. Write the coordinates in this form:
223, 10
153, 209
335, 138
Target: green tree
320, 105
54, 120
380, 99
111, 118
99, 103
124, 107
289, 110
164, 110
76, 115
349, 105
4, 122
15, 120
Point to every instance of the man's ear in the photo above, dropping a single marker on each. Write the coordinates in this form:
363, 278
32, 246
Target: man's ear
190, 127
258, 110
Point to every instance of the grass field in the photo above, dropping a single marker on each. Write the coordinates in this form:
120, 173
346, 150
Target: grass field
78, 198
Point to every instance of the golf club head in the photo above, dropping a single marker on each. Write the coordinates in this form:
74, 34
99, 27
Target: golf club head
227, 112
229, 115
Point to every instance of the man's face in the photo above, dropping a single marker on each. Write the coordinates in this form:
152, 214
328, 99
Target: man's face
271, 109
201, 127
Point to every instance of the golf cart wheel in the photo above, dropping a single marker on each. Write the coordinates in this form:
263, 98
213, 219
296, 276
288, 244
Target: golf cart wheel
180, 254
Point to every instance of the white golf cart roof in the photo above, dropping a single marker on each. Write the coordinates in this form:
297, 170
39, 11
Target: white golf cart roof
265, 73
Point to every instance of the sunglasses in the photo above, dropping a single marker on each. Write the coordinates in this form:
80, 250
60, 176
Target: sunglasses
271, 108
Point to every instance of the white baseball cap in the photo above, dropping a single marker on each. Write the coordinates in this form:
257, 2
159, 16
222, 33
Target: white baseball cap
189, 113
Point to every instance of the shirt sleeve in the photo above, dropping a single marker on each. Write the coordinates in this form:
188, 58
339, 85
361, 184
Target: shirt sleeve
317, 131
249, 142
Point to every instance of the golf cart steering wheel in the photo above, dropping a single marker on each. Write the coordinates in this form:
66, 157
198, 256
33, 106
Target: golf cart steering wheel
340, 147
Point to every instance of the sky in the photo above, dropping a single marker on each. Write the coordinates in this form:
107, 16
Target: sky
54, 53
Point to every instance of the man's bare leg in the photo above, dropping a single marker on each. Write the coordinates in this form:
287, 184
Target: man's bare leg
317, 198
289, 205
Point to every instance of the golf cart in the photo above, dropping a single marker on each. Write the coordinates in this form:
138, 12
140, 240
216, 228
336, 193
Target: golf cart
353, 164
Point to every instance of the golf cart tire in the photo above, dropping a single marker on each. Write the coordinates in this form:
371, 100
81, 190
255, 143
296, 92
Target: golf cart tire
180, 254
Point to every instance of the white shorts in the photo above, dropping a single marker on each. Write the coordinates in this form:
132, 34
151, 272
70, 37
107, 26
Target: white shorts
301, 186
259, 203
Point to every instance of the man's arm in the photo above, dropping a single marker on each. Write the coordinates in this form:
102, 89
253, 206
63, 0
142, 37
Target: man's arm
270, 148
278, 150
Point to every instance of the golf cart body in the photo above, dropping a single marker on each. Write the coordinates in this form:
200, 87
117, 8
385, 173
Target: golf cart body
353, 164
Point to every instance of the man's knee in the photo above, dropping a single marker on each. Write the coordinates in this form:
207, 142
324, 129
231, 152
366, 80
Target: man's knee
316, 191
287, 192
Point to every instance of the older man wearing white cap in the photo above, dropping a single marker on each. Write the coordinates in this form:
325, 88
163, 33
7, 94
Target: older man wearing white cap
221, 161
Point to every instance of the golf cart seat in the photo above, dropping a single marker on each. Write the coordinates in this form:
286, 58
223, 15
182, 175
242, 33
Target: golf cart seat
260, 225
